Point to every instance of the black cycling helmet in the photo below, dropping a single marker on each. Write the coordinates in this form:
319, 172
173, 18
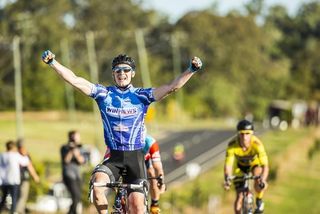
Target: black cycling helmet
245, 125
123, 59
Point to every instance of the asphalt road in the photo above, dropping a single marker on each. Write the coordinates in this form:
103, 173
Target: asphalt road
203, 149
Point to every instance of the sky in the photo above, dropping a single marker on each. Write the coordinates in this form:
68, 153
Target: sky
177, 8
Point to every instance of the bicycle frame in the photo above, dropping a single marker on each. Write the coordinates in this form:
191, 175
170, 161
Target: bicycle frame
247, 203
120, 201
248, 195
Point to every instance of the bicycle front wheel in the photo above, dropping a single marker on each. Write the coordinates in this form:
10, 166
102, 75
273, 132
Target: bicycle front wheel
247, 205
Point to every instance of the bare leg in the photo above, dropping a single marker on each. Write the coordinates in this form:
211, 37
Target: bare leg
154, 190
99, 193
238, 203
136, 203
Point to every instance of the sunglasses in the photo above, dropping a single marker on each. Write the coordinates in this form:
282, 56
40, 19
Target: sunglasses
119, 69
245, 132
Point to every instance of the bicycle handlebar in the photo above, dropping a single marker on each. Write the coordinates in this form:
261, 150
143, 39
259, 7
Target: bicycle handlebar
159, 180
128, 186
262, 185
248, 177
245, 177
118, 184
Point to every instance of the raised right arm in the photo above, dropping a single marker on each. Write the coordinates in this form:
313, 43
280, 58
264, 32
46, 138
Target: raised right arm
79, 83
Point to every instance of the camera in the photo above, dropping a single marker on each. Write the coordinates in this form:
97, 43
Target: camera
73, 145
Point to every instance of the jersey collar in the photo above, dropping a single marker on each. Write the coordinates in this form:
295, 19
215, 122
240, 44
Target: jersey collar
122, 90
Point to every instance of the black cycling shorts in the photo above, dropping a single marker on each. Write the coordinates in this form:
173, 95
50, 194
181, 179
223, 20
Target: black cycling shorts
246, 169
129, 165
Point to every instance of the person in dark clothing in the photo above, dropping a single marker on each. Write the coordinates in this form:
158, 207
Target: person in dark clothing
72, 158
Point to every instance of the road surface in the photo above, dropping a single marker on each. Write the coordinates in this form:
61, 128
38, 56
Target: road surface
203, 148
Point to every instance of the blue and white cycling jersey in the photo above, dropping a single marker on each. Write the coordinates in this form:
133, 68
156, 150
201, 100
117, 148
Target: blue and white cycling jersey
122, 114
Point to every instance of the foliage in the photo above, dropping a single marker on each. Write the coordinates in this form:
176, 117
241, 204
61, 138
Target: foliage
42, 188
314, 150
252, 62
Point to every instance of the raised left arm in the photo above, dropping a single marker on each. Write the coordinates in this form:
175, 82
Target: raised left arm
164, 90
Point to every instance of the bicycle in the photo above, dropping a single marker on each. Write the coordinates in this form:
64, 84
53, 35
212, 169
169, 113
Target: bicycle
120, 201
248, 195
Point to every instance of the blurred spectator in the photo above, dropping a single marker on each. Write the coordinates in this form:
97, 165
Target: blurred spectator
311, 116
10, 162
72, 158
25, 172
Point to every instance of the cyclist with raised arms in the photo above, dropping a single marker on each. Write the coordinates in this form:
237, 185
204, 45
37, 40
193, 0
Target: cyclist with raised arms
123, 108
154, 169
246, 153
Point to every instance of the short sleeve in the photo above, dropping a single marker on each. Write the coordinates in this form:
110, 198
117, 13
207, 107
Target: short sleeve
98, 91
23, 160
229, 156
146, 95
261, 152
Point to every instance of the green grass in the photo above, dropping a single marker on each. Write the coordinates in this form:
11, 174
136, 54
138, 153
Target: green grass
278, 141
299, 194
298, 190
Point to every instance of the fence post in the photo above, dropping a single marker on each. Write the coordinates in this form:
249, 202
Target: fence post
17, 86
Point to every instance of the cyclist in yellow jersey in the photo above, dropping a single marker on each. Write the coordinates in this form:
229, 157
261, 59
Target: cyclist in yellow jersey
246, 153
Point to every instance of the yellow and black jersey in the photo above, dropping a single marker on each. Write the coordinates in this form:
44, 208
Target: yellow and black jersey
254, 155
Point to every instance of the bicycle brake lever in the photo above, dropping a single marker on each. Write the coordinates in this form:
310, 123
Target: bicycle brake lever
262, 185
160, 181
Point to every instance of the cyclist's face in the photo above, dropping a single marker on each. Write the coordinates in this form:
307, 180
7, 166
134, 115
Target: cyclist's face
245, 139
122, 75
